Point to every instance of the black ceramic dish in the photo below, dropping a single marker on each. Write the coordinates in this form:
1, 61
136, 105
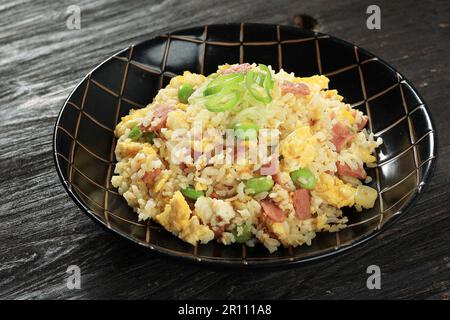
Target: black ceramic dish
84, 141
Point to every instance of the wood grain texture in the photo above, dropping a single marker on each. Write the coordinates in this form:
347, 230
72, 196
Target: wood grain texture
42, 232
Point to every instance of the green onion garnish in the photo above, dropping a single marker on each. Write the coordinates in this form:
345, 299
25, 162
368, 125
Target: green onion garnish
135, 133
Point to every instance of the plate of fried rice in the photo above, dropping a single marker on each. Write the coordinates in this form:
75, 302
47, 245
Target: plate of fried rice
244, 144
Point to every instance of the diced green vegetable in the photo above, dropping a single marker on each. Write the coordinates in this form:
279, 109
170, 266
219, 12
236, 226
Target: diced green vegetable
242, 233
258, 185
135, 133
191, 193
184, 92
246, 130
303, 178
149, 136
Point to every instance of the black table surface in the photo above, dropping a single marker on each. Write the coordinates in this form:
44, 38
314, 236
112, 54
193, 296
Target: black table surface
42, 231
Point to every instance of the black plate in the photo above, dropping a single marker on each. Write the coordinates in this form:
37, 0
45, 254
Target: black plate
84, 141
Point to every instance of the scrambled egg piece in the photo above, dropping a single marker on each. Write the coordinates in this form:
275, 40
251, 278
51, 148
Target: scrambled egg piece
279, 229
366, 155
346, 116
178, 80
333, 94
335, 191
187, 76
298, 148
176, 218
127, 149
195, 232
320, 81
148, 150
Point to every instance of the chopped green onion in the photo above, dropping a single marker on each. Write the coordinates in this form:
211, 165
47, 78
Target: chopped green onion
303, 178
184, 92
135, 133
224, 100
268, 83
246, 130
242, 233
223, 81
260, 93
191, 193
258, 185
149, 136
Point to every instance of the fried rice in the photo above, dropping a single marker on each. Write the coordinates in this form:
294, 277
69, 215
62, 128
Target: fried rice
168, 174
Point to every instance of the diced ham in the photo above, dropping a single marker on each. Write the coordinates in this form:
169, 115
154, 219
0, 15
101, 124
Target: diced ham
344, 170
341, 136
272, 211
294, 88
244, 67
302, 202
218, 231
184, 168
160, 114
272, 167
363, 123
277, 178
150, 176
214, 195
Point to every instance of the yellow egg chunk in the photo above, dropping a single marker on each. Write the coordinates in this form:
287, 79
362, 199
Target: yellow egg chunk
175, 216
346, 116
320, 81
298, 148
177, 219
278, 228
195, 232
125, 149
335, 191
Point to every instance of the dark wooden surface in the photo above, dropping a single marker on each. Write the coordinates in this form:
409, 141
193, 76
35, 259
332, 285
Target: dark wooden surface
42, 232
